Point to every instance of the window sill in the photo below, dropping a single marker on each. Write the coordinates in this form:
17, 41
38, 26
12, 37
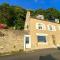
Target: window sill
51, 30
42, 43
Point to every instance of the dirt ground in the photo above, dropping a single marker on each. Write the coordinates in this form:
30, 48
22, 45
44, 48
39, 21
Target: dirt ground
44, 54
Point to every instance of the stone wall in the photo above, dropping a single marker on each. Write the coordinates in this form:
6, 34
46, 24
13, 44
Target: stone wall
11, 40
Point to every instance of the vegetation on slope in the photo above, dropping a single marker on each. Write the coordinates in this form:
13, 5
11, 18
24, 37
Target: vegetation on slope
14, 16
49, 13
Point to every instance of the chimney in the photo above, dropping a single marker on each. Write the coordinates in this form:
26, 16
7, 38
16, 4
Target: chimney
27, 20
28, 15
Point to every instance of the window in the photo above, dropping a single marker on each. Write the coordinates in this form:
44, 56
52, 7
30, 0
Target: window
57, 20
41, 38
51, 27
40, 26
27, 40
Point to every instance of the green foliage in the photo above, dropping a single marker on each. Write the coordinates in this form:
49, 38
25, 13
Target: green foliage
49, 13
12, 16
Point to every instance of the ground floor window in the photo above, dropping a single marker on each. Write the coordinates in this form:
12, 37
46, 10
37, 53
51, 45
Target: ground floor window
27, 40
41, 38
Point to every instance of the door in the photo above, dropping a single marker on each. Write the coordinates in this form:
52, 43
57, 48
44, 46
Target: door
27, 41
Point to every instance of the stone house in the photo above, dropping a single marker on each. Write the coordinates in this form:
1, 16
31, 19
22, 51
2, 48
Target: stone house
41, 34
37, 34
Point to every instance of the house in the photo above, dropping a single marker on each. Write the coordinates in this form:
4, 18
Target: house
41, 34
38, 33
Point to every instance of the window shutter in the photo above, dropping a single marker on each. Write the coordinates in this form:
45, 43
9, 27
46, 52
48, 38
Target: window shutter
54, 28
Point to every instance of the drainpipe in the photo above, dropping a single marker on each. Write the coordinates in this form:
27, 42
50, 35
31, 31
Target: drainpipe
54, 42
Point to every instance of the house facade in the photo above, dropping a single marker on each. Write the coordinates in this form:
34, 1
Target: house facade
40, 34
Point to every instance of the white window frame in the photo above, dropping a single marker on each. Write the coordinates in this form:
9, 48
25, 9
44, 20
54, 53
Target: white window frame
59, 27
25, 41
42, 25
53, 27
42, 34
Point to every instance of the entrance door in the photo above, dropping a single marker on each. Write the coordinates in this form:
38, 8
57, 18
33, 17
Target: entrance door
27, 41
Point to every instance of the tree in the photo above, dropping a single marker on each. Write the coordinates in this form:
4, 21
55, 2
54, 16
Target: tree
37, 12
49, 13
20, 17
12, 15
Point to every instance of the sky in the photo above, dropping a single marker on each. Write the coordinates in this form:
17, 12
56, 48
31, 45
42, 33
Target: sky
34, 4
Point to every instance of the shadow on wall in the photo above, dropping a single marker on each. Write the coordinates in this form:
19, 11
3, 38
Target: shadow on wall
47, 57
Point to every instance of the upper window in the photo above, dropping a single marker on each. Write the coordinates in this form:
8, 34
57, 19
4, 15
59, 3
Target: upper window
40, 26
51, 28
